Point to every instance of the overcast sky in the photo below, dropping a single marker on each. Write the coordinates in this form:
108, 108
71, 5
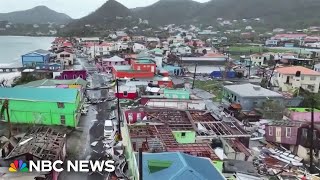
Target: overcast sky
74, 8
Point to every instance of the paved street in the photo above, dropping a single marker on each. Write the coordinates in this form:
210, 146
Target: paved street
90, 129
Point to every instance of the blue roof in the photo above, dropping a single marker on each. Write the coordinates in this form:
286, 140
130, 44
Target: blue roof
40, 94
184, 167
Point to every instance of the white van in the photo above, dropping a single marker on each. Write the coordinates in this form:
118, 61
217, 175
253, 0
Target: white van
108, 128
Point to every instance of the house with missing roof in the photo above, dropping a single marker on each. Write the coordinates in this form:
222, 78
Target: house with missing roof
39, 143
46, 106
250, 96
160, 130
178, 166
295, 77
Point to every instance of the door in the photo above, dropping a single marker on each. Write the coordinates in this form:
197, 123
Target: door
278, 134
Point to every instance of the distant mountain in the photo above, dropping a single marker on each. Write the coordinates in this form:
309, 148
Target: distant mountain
105, 15
275, 12
283, 13
36, 15
169, 11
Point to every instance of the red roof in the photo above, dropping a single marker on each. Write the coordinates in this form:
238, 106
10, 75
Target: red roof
59, 40
293, 70
214, 55
90, 44
67, 44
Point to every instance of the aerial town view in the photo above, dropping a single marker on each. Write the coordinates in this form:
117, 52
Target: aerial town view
160, 90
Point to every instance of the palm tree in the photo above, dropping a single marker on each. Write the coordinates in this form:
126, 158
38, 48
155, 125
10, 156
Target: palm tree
5, 107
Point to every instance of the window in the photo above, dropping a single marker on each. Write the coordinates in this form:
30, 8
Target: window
305, 133
125, 93
312, 78
63, 119
183, 134
74, 76
139, 116
67, 55
270, 131
65, 77
288, 132
60, 105
81, 76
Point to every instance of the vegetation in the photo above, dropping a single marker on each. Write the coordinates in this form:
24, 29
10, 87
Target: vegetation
272, 110
309, 99
36, 15
211, 86
254, 49
23, 80
273, 14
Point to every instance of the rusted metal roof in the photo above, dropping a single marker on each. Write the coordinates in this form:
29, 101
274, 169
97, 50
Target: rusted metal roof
41, 142
165, 135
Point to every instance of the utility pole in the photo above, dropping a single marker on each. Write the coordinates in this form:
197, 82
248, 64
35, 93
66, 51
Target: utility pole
194, 75
94, 51
311, 135
250, 64
118, 107
269, 83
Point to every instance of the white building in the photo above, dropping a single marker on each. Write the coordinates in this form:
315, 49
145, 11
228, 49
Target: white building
249, 28
138, 47
120, 46
176, 39
278, 30
294, 77
182, 50
96, 49
258, 59
66, 58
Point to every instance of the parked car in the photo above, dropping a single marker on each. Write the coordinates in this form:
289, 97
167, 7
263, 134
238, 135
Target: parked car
108, 128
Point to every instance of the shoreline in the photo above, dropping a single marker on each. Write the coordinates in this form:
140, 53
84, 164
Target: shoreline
26, 36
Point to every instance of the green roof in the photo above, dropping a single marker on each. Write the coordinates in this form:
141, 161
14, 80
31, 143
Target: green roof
303, 110
158, 165
122, 67
39, 94
157, 50
54, 82
176, 91
144, 61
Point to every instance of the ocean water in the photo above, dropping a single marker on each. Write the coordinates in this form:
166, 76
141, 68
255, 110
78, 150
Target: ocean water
12, 47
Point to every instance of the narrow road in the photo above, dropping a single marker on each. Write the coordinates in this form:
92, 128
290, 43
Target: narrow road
92, 130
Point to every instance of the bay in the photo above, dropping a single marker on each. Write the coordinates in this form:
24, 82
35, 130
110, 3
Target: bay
12, 47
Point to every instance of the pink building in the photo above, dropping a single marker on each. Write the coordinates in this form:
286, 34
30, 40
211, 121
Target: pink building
303, 114
72, 74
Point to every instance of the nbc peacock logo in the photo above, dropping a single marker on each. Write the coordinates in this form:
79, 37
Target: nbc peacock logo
18, 166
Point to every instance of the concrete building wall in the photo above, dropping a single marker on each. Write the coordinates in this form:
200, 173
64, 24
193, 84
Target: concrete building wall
46, 113
185, 137
289, 82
